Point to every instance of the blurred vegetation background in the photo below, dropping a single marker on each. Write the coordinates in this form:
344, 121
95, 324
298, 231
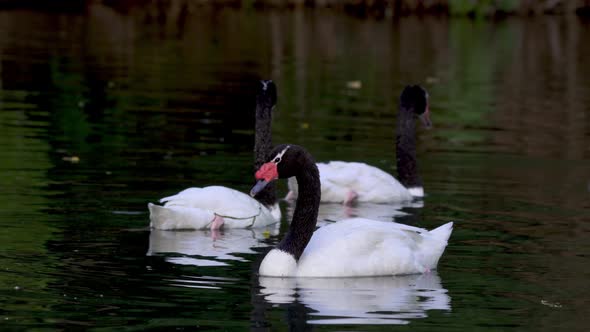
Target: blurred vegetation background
375, 8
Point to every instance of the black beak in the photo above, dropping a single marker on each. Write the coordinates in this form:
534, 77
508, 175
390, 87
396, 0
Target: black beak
260, 184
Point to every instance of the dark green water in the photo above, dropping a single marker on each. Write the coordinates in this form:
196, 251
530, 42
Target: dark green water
102, 112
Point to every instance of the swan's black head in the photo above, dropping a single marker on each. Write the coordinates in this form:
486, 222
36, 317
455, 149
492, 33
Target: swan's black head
415, 99
286, 160
267, 94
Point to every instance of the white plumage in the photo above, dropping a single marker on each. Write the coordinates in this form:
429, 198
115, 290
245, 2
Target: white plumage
356, 247
369, 183
217, 206
362, 247
347, 182
195, 208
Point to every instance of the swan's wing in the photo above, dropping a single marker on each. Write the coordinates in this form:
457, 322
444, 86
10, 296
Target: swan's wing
222, 200
340, 173
194, 208
370, 183
372, 232
337, 180
363, 247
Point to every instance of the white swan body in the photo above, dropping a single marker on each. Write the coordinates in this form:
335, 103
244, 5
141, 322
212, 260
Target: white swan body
196, 208
216, 206
355, 247
362, 247
370, 184
347, 182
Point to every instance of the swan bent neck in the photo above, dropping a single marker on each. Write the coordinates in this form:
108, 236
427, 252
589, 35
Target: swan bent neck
197, 208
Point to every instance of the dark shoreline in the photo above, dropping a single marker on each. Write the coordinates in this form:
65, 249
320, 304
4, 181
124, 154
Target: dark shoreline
359, 8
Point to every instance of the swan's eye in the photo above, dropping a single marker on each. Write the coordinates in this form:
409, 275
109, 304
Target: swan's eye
279, 155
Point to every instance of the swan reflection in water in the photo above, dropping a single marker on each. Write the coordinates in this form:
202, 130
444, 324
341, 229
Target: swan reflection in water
331, 212
203, 248
370, 300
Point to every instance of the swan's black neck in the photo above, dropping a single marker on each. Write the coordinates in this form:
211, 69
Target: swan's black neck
407, 167
305, 214
263, 145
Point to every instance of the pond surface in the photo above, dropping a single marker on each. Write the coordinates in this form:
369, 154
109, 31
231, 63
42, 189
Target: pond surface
104, 111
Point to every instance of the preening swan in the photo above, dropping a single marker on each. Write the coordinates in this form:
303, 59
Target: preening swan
217, 206
348, 248
347, 182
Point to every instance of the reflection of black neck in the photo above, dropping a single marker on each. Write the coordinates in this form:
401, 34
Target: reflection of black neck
407, 169
306, 209
263, 145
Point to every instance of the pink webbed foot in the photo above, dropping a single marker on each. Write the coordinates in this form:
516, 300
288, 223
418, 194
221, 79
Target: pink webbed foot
216, 224
350, 198
215, 235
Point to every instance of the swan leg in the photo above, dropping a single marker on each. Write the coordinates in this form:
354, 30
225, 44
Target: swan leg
348, 211
217, 222
290, 196
215, 235
351, 197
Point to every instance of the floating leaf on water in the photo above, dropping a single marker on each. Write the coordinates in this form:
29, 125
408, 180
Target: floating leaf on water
72, 159
551, 304
354, 84
432, 80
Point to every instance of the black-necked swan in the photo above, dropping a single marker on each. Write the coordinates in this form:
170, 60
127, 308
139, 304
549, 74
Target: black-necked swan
347, 248
348, 182
217, 206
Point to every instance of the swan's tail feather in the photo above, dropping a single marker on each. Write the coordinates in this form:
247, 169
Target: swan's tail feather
158, 216
178, 217
443, 232
434, 247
